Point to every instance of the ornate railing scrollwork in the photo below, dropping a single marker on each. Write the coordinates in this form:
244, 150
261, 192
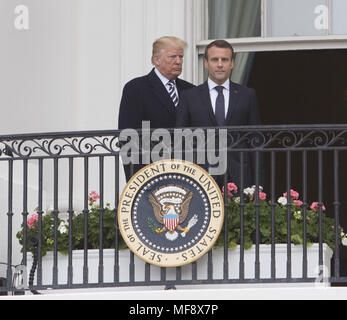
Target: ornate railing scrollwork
63, 145
238, 138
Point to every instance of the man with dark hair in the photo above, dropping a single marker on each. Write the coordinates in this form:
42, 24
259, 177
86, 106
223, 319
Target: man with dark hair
219, 44
221, 102
155, 96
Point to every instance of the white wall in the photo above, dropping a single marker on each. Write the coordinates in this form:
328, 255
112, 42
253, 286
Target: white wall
36, 68
66, 73
115, 45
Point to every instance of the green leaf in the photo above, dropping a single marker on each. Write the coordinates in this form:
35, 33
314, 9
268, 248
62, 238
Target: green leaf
296, 239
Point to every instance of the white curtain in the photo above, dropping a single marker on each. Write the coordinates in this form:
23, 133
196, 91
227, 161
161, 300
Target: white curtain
235, 19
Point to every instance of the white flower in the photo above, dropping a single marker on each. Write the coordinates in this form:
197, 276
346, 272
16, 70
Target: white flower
282, 201
249, 191
344, 241
237, 199
297, 215
63, 227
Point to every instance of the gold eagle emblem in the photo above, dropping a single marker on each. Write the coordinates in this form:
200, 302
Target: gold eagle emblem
171, 206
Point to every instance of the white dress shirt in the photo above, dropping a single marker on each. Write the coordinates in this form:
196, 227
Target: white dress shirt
165, 81
214, 94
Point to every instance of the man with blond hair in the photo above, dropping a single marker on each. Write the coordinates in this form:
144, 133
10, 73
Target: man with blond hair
155, 96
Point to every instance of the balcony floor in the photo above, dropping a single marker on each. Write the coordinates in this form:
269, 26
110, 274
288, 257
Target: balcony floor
238, 292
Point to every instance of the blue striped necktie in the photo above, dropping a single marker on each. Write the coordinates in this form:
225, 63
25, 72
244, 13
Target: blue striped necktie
172, 92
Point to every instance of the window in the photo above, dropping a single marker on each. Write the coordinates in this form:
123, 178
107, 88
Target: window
230, 19
273, 25
296, 18
234, 18
338, 10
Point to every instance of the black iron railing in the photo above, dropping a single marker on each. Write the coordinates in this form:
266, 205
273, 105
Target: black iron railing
60, 170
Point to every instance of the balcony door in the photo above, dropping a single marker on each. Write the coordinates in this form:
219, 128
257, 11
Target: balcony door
305, 87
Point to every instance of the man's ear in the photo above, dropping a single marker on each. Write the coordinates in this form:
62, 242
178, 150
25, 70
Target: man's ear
205, 63
156, 60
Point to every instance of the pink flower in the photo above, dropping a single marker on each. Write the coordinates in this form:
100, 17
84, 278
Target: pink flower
32, 219
93, 196
293, 194
232, 187
314, 206
298, 203
262, 195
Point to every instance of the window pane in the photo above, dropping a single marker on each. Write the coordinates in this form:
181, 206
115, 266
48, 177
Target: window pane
234, 18
297, 17
339, 21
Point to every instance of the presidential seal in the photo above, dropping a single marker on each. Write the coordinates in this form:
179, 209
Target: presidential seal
170, 213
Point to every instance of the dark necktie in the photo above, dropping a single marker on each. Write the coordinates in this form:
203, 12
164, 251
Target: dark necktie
220, 108
172, 92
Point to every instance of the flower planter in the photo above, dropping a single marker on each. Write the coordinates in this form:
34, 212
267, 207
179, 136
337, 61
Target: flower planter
218, 258
280, 261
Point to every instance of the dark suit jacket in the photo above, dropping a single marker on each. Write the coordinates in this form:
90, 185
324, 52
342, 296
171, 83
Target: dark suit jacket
195, 110
146, 98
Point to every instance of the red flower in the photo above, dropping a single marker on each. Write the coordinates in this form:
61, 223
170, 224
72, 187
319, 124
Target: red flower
32, 219
293, 194
232, 187
298, 202
262, 195
314, 206
93, 196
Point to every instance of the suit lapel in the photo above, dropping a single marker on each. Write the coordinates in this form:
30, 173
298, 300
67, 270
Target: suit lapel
206, 101
161, 93
233, 102
179, 86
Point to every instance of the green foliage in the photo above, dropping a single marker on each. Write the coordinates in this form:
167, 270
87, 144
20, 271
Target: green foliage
47, 235
107, 216
93, 228
93, 216
280, 212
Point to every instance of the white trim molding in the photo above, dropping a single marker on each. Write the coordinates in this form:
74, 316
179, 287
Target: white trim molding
282, 43
259, 44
